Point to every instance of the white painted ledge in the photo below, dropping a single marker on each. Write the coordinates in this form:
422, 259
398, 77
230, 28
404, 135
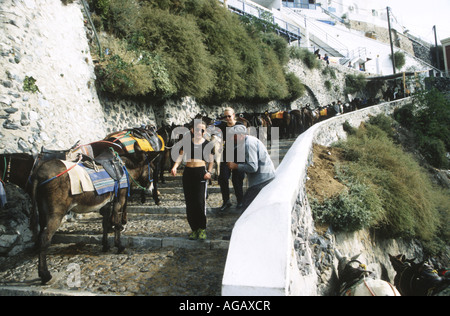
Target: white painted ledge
261, 258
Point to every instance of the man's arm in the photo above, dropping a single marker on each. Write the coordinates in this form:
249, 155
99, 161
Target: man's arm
251, 158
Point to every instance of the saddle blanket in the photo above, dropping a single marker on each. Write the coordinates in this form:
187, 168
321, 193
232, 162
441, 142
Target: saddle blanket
103, 183
128, 141
83, 179
145, 144
79, 179
3, 200
278, 115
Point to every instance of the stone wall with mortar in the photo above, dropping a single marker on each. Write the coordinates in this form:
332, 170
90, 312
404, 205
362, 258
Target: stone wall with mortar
46, 40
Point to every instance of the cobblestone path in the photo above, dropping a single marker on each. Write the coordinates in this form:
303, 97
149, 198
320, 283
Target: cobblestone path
158, 260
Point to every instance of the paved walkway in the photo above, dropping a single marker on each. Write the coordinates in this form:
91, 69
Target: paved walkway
159, 258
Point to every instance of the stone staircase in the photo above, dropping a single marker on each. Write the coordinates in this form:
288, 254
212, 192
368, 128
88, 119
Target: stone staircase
152, 231
146, 227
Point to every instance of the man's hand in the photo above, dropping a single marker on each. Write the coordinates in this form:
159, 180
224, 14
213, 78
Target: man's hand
232, 165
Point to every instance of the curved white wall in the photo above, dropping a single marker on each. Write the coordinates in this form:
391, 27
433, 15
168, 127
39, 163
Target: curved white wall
262, 258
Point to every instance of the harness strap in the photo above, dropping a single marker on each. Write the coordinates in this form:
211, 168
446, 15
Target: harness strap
8, 169
58, 175
367, 286
373, 293
4, 170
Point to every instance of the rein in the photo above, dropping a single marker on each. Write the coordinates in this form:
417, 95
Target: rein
6, 171
373, 293
135, 182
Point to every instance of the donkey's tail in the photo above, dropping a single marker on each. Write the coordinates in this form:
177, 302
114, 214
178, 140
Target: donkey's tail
34, 210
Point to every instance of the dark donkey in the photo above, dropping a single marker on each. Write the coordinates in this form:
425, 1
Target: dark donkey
53, 199
16, 168
144, 139
417, 279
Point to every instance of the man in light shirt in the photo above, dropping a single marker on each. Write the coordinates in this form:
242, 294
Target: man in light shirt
256, 163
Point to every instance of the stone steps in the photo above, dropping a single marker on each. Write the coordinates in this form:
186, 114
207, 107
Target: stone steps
172, 205
158, 252
143, 242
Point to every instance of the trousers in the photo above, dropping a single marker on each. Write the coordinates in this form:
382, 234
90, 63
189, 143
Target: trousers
195, 188
237, 178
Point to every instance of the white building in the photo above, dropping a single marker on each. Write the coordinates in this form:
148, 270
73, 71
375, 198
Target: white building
364, 45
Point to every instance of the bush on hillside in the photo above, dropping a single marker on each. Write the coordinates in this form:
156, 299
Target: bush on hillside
354, 83
309, 59
387, 189
428, 119
295, 87
203, 50
404, 189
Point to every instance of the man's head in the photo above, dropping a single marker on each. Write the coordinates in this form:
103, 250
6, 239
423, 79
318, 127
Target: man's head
239, 132
229, 116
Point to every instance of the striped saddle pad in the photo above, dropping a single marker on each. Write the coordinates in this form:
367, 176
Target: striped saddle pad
103, 183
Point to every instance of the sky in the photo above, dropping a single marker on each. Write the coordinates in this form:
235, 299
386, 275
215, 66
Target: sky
419, 16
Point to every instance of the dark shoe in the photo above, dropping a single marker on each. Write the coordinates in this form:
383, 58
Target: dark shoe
225, 205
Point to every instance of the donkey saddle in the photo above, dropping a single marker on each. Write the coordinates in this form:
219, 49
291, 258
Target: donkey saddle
111, 163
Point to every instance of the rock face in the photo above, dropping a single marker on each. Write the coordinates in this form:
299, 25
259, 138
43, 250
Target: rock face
15, 234
47, 89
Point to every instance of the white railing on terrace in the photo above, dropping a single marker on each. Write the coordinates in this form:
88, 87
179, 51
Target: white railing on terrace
316, 33
258, 11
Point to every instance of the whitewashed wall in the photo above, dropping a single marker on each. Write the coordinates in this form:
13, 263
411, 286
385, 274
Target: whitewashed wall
269, 250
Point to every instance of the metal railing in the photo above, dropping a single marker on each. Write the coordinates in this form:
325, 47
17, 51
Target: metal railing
243, 7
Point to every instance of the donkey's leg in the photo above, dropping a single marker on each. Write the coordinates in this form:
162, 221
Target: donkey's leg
45, 239
106, 225
117, 220
155, 188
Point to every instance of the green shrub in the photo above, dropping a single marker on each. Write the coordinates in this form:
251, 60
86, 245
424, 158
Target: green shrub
434, 151
180, 43
329, 71
133, 73
295, 87
349, 211
428, 119
399, 59
385, 123
350, 130
198, 48
354, 83
402, 186
309, 59
29, 84
278, 45
405, 115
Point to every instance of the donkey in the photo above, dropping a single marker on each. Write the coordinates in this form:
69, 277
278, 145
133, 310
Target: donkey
355, 280
16, 168
51, 200
128, 145
309, 117
417, 279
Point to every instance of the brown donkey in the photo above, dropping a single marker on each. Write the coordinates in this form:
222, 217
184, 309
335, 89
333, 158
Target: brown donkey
53, 199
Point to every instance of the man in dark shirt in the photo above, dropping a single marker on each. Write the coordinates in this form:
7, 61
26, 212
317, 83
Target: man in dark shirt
237, 176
